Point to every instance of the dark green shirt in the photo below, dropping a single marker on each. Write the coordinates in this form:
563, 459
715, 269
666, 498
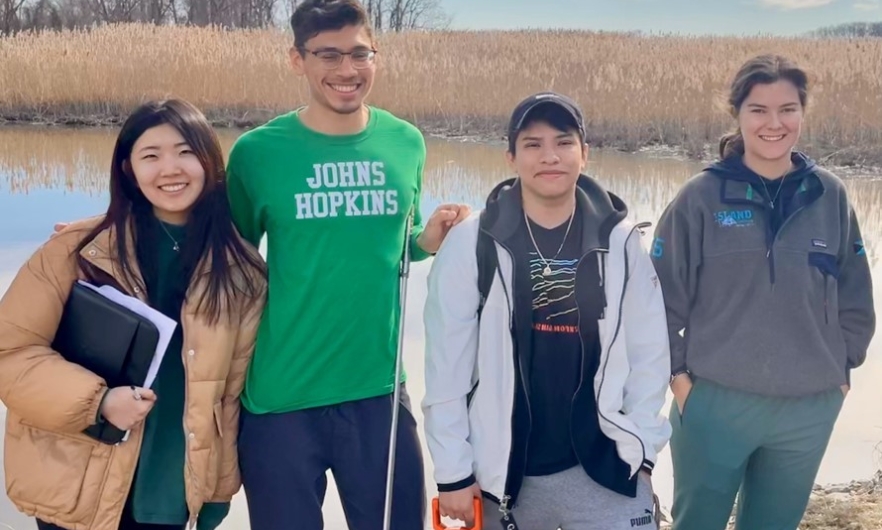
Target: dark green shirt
158, 495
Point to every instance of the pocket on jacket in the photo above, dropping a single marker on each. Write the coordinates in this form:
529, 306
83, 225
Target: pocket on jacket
828, 266
214, 454
682, 413
219, 418
51, 470
470, 397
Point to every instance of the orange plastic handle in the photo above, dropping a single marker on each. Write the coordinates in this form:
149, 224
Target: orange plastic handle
479, 516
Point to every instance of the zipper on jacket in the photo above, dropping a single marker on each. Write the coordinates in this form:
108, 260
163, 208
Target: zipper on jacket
770, 252
826, 297
826, 314
503, 505
615, 336
600, 271
506, 497
770, 256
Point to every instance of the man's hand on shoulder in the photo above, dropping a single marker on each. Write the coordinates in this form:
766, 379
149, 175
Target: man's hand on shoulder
439, 224
58, 228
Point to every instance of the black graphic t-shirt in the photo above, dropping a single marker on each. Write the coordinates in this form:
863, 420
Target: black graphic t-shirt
556, 348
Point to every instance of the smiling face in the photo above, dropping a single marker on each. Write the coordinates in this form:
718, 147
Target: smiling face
548, 160
341, 88
770, 120
167, 172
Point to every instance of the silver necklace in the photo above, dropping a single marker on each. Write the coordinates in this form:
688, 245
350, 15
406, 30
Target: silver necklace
780, 186
176, 248
547, 270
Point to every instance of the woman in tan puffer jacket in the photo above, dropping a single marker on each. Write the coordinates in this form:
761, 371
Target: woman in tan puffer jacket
167, 238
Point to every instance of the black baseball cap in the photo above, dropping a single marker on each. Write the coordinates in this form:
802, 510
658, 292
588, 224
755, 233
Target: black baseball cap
523, 109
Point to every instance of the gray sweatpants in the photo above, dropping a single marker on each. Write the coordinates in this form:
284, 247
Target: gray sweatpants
571, 500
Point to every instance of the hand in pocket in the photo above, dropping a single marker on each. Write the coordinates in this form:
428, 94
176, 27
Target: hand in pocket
681, 386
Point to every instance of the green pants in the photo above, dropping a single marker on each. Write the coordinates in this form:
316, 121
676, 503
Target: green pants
766, 450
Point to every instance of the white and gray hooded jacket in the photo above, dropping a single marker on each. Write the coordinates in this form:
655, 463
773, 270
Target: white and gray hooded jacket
473, 371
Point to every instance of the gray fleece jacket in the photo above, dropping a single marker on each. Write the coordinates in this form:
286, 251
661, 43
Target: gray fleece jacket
786, 312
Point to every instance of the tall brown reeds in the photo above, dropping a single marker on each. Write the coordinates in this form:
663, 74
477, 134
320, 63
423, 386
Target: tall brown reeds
636, 90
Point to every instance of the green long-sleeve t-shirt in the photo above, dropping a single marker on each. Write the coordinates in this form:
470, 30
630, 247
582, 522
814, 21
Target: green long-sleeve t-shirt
334, 211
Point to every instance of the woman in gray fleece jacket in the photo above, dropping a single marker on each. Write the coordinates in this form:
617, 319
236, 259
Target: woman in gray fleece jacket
769, 305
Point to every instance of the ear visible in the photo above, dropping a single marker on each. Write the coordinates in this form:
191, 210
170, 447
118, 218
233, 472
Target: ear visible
296, 60
510, 158
584, 155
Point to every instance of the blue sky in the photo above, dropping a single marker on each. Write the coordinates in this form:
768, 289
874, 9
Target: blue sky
737, 17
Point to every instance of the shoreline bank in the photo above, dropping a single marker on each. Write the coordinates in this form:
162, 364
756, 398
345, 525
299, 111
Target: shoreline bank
635, 91
489, 130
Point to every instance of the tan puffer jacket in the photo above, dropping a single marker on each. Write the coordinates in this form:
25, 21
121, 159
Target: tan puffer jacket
67, 478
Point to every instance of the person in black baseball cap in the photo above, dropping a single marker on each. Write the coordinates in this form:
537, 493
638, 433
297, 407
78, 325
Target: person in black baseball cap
546, 346
563, 103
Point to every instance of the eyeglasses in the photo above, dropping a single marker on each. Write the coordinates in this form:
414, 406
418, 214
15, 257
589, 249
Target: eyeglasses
331, 59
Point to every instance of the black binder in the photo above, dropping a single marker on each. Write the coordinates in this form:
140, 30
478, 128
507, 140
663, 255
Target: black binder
109, 340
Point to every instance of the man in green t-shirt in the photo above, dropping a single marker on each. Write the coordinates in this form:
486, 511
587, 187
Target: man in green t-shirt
331, 185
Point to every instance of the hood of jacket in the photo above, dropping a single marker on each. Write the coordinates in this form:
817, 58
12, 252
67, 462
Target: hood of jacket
601, 210
733, 168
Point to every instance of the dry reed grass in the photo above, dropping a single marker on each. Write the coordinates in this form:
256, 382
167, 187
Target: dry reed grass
635, 90
859, 513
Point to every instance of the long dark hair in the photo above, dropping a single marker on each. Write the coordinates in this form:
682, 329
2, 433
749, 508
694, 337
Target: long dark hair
209, 236
762, 69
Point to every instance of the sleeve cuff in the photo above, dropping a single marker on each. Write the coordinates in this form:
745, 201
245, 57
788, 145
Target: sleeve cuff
456, 486
212, 515
99, 418
416, 252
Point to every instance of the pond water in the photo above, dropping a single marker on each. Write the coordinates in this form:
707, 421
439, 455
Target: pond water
50, 175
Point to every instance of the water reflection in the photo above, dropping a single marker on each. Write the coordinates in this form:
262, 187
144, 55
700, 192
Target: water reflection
34, 159
49, 175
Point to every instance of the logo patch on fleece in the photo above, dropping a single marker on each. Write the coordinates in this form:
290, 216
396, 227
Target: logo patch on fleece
734, 218
859, 248
819, 243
